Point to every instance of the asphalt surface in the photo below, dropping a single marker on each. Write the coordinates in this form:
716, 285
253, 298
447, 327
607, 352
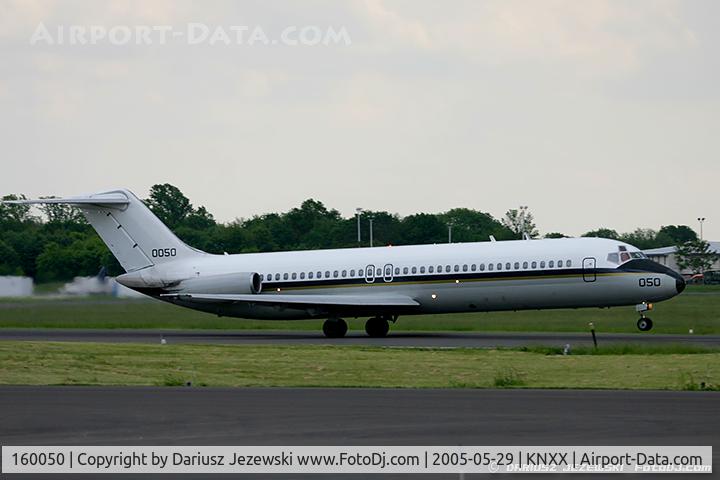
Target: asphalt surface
191, 416
398, 339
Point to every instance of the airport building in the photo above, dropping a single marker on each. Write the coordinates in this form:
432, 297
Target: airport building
667, 256
16, 286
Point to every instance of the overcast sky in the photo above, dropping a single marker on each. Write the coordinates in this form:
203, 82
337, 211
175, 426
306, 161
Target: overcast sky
592, 113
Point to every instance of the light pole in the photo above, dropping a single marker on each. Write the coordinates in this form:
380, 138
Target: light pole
450, 225
371, 230
358, 212
701, 220
521, 220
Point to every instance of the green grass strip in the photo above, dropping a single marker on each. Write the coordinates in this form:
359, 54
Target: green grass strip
45, 363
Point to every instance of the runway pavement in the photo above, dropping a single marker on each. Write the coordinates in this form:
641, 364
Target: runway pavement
282, 416
397, 339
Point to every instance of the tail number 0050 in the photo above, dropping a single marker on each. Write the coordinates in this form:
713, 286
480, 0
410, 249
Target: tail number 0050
163, 252
649, 282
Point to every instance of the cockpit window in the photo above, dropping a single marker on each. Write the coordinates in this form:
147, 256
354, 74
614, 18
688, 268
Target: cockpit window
623, 256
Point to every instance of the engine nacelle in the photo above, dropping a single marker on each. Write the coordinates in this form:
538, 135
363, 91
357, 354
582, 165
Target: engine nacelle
230, 283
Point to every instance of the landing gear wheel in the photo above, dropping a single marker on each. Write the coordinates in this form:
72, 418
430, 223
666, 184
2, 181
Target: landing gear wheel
644, 324
377, 327
335, 328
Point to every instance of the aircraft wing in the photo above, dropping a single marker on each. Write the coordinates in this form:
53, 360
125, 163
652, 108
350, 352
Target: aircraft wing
303, 300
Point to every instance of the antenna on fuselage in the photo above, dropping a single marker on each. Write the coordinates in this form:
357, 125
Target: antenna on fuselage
526, 236
492, 238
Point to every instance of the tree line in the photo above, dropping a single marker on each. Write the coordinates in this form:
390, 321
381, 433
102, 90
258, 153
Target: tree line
60, 244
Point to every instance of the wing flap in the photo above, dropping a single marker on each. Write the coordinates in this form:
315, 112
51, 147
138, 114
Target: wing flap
304, 300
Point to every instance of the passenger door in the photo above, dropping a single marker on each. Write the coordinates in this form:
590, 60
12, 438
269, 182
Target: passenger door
589, 271
370, 274
388, 273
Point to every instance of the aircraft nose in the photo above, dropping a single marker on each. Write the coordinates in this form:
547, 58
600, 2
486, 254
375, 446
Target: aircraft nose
680, 284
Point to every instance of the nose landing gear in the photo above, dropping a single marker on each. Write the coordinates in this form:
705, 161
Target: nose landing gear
644, 324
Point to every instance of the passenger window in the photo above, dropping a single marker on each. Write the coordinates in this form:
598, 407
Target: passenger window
285, 276
551, 263
405, 270
473, 267
327, 273
465, 268
310, 275
525, 265
319, 274
422, 269
352, 272
490, 266
414, 270
559, 263
482, 267
517, 265
499, 266
542, 263
335, 274
507, 266
397, 270
568, 263
439, 268
447, 268
378, 272
277, 277
431, 269
294, 276
344, 273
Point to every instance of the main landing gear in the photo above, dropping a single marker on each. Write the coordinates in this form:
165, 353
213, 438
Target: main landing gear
335, 328
644, 324
376, 327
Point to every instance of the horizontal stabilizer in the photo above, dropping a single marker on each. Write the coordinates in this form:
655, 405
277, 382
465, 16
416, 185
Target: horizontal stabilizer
305, 300
98, 199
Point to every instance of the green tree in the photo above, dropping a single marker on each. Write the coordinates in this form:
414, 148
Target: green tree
642, 238
555, 235
9, 260
473, 226
603, 233
520, 221
696, 255
14, 214
387, 229
59, 213
169, 204
675, 235
422, 228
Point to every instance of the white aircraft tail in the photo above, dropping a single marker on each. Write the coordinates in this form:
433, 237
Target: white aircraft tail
136, 237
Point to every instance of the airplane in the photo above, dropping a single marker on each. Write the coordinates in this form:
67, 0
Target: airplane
382, 283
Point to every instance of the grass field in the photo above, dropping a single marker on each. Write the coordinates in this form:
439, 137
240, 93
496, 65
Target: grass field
43, 363
698, 308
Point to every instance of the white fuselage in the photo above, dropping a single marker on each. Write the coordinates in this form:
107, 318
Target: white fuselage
444, 278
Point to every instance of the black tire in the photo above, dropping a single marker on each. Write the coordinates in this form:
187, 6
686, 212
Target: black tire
377, 327
335, 328
644, 324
